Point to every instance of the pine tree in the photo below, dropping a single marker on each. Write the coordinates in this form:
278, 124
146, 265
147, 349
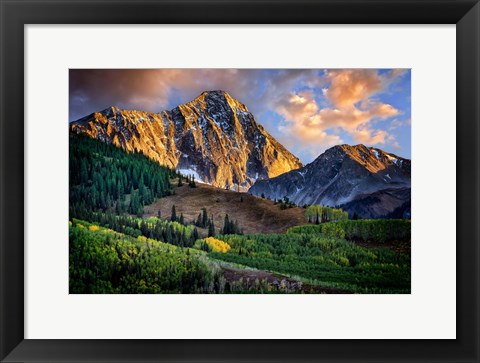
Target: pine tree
198, 223
195, 234
181, 220
141, 189
173, 217
236, 228
226, 225
83, 171
211, 228
191, 182
118, 207
120, 192
134, 202
204, 217
169, 236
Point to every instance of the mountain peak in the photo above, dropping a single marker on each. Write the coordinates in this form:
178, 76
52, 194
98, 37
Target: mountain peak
372, 159
213, 137
218, 92
112, 109
217, 98
345, 174
350, 148
214, 94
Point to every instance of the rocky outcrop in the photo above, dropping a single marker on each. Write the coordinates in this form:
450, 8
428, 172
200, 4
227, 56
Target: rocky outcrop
364, 180
214, 137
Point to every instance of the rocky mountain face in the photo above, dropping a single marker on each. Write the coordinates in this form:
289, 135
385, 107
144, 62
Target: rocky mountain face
362, 180
214, 137
388, 203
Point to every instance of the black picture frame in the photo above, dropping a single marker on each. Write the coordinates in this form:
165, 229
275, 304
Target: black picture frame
16, 13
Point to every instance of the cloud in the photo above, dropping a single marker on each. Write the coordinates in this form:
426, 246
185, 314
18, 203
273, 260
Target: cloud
304, 121
351, 86
152, 89
351, 109
93, 90
351, 119
393, 141
311, 124
372, 137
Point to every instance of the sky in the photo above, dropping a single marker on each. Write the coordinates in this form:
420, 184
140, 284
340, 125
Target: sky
307, 110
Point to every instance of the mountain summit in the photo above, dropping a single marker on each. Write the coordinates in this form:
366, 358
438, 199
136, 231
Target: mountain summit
214, 137
363, 180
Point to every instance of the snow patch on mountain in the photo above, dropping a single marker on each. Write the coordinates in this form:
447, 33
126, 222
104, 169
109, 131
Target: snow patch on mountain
190, 172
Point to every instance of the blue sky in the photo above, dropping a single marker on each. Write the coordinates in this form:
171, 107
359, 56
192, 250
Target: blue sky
307, 110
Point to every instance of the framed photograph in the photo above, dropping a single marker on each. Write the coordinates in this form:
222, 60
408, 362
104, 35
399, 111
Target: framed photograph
239, 181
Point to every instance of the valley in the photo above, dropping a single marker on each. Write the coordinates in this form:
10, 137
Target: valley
202, 199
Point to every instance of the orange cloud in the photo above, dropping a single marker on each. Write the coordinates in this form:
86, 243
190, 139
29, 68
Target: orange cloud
350, 86
314, 139
309, 123
352, 118
352, 109
372, 137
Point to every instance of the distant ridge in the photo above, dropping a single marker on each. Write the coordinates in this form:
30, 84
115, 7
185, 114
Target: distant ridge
364, 180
